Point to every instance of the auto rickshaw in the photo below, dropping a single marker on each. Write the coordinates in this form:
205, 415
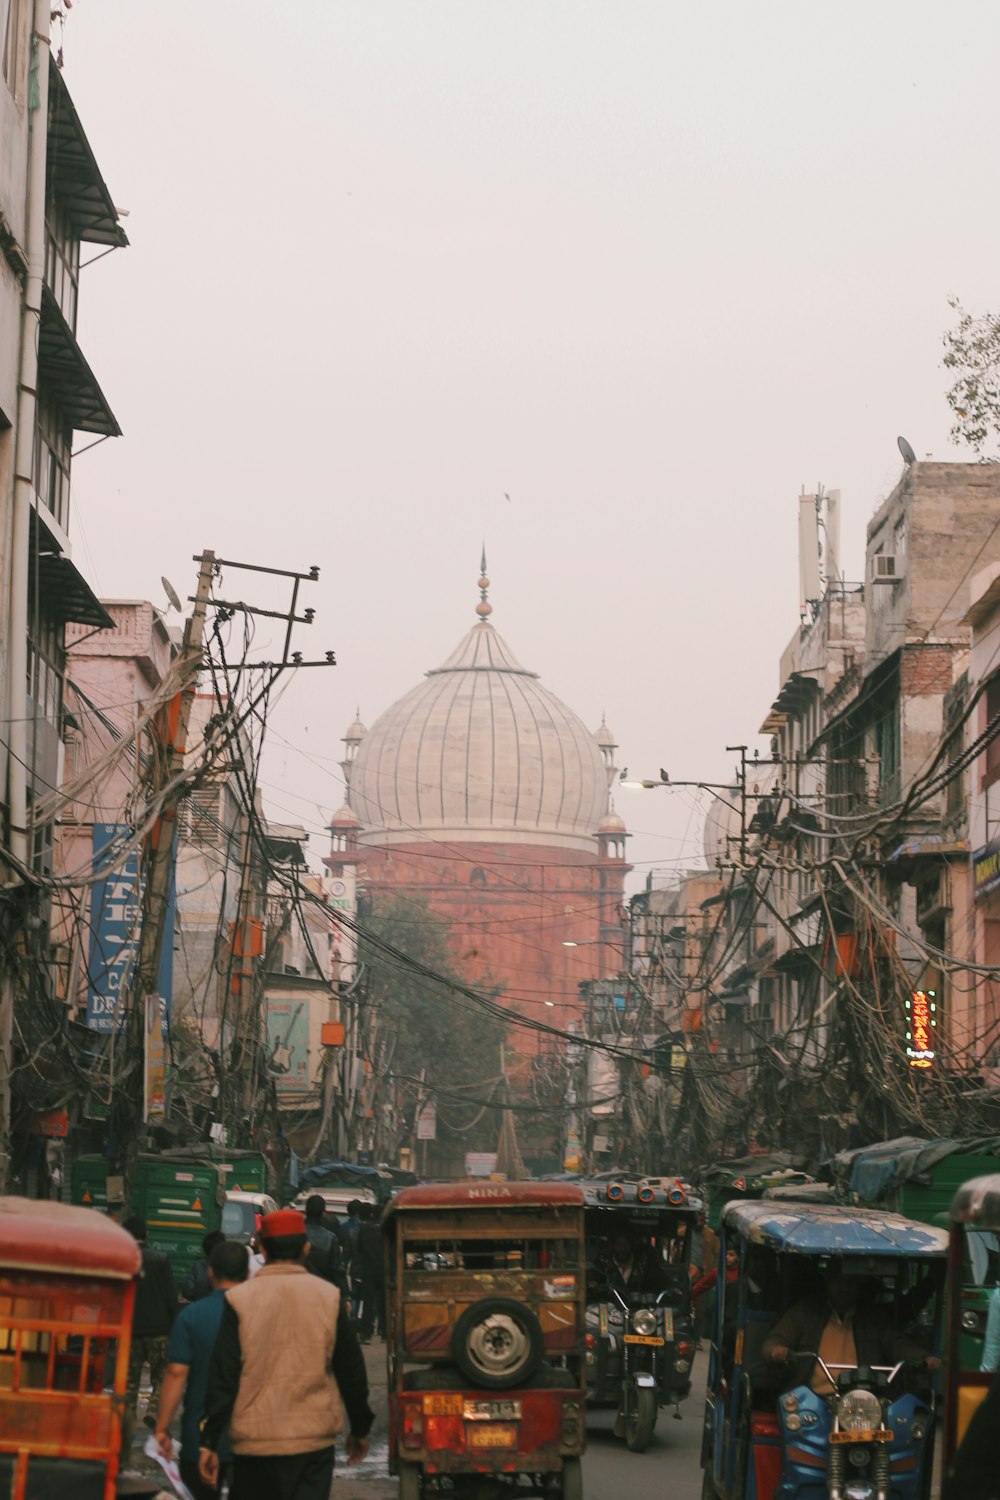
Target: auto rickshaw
484, 1337
872, 1436
66, 1293
975, 1215
640, 1337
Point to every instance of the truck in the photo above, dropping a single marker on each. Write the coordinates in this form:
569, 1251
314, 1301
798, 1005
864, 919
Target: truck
919, 1178
179, 1193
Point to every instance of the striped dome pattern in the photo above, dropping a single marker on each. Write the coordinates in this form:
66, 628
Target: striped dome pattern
480, 751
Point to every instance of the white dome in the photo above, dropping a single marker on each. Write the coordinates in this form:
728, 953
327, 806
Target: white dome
480, 751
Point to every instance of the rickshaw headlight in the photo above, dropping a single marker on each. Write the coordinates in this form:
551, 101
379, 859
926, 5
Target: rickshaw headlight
793, 1421
970, 1320
790, 1402
644, 1321
859, 1411
682, 1366
918, 1429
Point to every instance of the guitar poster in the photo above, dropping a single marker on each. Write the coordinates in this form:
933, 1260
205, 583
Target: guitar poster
288, 1045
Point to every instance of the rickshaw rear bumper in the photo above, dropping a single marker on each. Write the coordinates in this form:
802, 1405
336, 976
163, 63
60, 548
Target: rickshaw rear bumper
458, 1432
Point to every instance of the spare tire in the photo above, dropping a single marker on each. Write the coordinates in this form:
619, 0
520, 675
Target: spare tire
497, 1343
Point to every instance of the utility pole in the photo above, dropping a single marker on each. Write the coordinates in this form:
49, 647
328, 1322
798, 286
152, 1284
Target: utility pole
158, 862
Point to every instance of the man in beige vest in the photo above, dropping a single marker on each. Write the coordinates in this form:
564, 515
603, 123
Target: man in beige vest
286, 1370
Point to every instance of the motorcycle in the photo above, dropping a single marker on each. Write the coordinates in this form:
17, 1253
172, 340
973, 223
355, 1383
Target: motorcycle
868, 1441
639, 1353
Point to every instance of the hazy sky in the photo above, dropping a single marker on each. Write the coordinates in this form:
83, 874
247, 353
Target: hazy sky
649, 268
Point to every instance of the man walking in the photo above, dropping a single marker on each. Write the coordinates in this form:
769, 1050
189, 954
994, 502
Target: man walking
369, 1268
286, 1370
325, 1258
189, 1353
152, 1318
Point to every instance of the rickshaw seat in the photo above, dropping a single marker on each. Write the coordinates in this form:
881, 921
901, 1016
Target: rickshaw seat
450, 1378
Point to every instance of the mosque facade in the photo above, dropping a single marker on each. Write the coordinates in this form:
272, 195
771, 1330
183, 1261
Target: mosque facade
484, 795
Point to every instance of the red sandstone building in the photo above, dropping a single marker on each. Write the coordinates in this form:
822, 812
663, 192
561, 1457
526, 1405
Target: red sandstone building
484, 794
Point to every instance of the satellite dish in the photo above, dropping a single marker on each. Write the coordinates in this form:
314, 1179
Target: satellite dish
909, 457
172, 596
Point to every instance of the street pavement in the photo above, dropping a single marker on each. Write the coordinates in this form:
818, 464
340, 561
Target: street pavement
669, 1466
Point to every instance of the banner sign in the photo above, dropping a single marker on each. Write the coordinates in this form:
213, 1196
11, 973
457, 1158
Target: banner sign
155, 1032
986, 868
114, 931
288, 1045
921, 1024
115, 924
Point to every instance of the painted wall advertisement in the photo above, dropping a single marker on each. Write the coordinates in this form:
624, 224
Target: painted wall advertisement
288, 1045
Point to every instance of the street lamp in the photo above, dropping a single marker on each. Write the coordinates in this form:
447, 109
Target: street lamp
632, 783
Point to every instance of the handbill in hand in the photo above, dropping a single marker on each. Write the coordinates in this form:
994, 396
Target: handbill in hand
169, 1467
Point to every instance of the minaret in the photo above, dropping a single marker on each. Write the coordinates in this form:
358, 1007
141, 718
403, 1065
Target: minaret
606, 740
352, 743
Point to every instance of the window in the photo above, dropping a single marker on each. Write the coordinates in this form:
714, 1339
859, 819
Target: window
992, 772
62, 261
52, 462
887, 749
10, 31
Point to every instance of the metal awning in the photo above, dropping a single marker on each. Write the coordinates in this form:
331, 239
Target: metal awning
73, 176
65, 594
796, 693
64, 371
928, 845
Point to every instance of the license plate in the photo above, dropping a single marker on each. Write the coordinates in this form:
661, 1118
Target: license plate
642, 1338
443, 1405
866, 1435
492, 1435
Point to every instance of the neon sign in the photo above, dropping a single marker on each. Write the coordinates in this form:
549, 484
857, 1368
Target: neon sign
921, 1024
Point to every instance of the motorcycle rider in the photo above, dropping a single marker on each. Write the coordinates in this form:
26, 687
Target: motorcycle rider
632, 1267
844, 1328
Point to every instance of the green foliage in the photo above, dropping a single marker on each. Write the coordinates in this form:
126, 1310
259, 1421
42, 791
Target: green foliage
437, 1031
972, 352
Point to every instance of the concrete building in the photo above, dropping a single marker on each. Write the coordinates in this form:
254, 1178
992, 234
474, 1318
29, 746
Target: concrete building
975, 1018
53, 201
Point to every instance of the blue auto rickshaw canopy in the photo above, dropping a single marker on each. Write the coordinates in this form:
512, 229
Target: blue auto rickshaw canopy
830, 1230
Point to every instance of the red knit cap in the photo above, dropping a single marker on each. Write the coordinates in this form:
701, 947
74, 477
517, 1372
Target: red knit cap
286, 1221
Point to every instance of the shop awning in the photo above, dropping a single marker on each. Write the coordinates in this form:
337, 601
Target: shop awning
66, 595
73, 175
66, 374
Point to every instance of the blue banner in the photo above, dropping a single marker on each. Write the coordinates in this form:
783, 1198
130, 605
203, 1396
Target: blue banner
115, 922
114, 931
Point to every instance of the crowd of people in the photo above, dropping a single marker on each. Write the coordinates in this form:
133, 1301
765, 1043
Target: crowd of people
260, 1350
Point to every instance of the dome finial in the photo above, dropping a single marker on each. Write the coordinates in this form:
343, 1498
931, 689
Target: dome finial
484, 608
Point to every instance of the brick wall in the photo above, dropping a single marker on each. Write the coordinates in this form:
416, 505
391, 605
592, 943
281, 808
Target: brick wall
926, 669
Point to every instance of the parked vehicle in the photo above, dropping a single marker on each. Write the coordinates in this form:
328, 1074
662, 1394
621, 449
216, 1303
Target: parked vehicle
746, 1177
640, 1334
974, 1212
242, 1213
485, 1314
919, 1178
66, 1293
180, 1198
872, 1437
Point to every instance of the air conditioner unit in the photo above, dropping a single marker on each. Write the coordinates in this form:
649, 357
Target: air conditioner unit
883, 568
